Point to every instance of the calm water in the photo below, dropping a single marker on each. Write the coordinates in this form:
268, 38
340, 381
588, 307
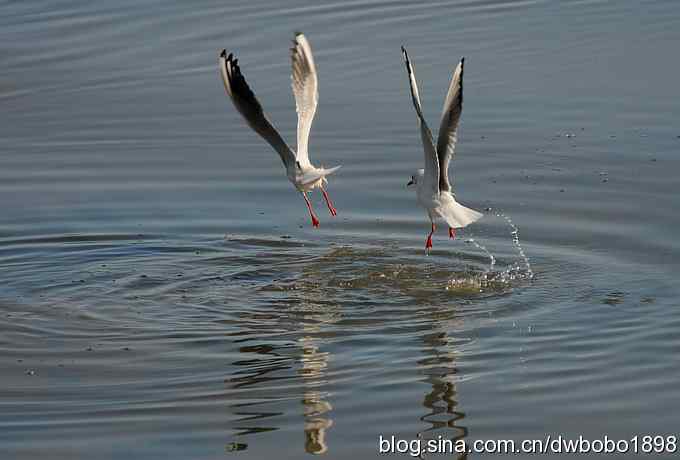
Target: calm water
163, 295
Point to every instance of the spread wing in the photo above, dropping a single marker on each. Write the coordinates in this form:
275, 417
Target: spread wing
448, 130
247, 104
431, 160
306, 91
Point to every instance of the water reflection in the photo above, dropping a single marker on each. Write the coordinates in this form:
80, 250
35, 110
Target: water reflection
439, 368
292, 365
251, 373
287, 345
316, 314
316, 407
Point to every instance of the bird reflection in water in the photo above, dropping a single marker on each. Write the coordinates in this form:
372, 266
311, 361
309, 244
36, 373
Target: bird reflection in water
316, 408
438, 367
268, 367
316, 314
288, 346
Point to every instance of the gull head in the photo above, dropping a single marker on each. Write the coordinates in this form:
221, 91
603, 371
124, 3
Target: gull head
416, 178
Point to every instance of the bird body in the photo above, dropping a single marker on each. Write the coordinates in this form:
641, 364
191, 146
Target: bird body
299, 170
433, 187
443, 205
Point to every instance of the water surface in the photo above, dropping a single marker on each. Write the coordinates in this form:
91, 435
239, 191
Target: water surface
163, 294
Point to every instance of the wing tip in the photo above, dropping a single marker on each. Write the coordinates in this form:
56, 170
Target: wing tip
462, 71
299, 42
299, 37
228, 58
407, 61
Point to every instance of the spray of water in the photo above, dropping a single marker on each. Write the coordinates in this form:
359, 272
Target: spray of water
528, 272
492, 259
516, 271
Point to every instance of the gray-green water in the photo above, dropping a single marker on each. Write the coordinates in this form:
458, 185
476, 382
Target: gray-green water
163, 295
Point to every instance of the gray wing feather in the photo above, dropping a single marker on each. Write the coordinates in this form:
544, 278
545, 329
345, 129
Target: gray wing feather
448, 129
247, 104
431, 160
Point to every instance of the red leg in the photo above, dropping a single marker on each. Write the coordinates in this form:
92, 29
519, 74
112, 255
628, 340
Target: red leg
315, 221
331, 208
428, 243
452, 233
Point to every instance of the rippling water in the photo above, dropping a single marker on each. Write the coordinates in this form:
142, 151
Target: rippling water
163, 294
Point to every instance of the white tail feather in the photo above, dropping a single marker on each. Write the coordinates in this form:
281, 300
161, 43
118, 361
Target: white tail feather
316, 174
457, 215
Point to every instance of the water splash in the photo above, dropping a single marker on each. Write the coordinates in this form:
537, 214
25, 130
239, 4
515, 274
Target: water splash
529, 273
492, 258
519, 270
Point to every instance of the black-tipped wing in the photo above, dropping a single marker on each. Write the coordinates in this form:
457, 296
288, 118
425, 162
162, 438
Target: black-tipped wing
431, 160
247, 104
448, 129
306, 90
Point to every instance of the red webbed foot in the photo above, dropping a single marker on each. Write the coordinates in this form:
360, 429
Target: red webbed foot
331, 208
315, 220
428, 243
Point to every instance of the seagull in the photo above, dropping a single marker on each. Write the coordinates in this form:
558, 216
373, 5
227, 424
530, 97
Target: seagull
432, 183
299, 170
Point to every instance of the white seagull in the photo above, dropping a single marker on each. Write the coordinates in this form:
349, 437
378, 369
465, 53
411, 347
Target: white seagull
432, 183
304, 176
